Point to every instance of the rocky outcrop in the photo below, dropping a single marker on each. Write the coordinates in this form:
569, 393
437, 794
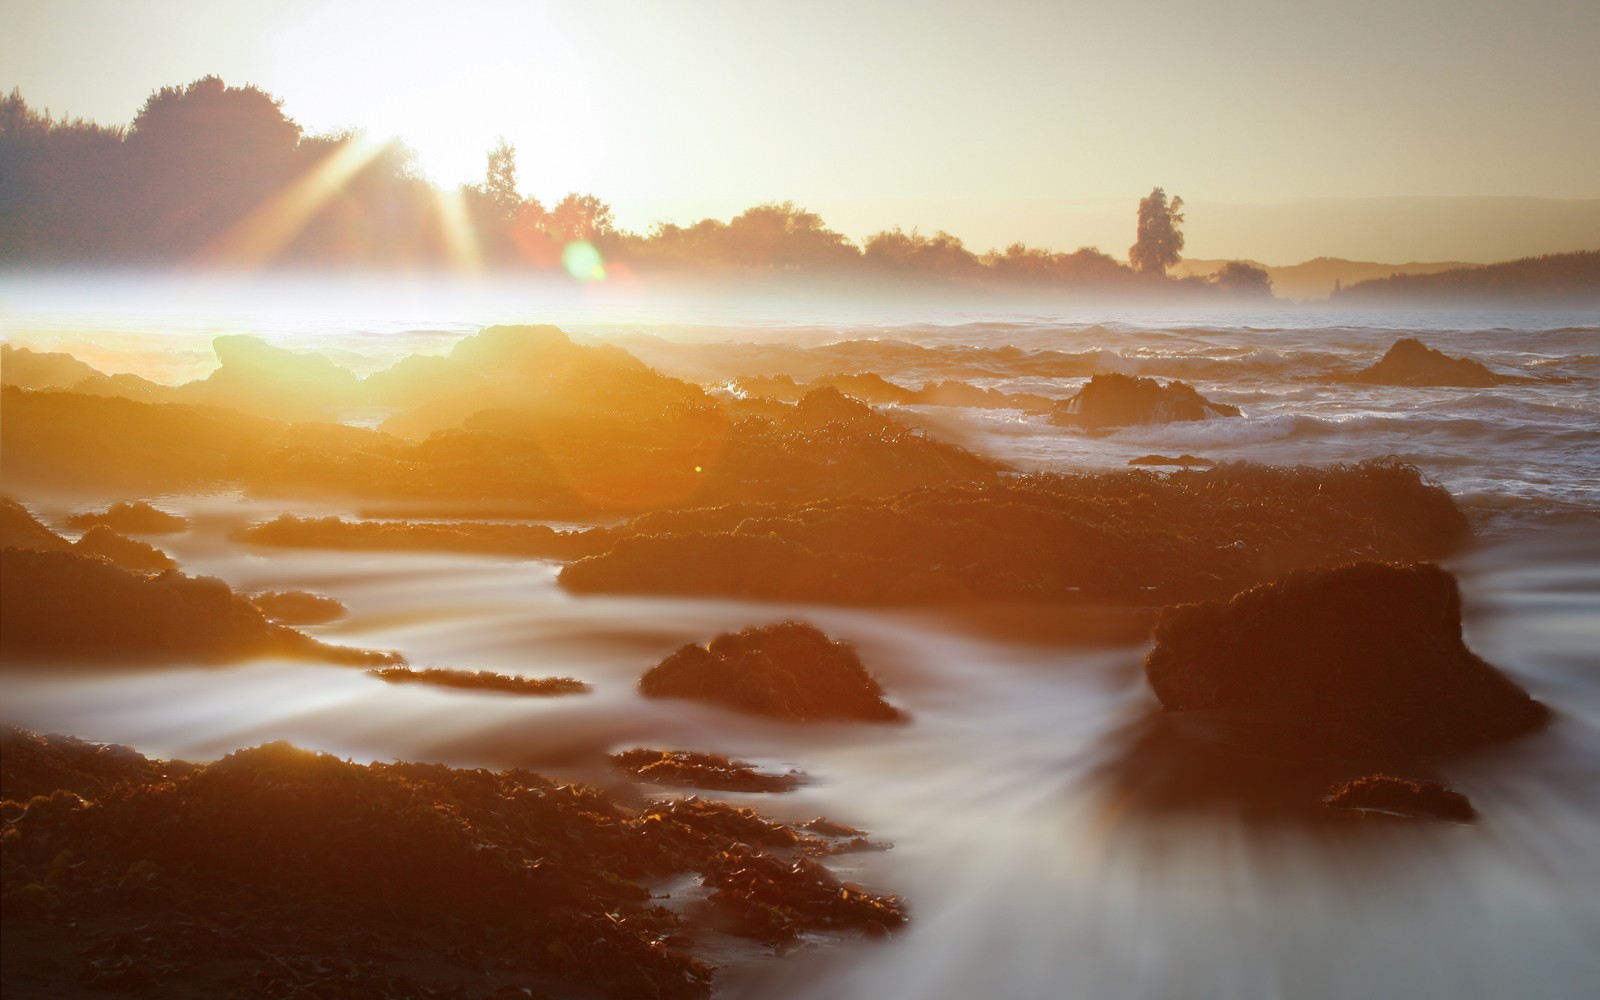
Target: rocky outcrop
1410, 362
790, 671
1363, 661
1403, 797
124, 553
1115, 400
136, 518
298, 607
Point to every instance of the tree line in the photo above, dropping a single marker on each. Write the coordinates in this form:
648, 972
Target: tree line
191, 178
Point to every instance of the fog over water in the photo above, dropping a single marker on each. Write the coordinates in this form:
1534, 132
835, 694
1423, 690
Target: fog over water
1007, 796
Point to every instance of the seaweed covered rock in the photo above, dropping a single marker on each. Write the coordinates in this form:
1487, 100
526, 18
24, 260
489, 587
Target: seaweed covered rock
31, 765
701, 770
480, 680
298, 607
1116, 400
1382, 793
790, 670
1410, 362
1126, 537
125, 553
1365, 660
19, 529
135, 518
276, 871
64, 606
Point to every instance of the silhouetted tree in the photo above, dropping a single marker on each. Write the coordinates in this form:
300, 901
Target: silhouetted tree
580, 217
1244, 280
1159, 241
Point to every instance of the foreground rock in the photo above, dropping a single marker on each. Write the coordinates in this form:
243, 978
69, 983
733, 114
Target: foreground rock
1116, 400
125, 553
63, 606
1409, 362
136, 518
1134, 537
701, 770
1404, 797
790, 670
275, 871
1363, 661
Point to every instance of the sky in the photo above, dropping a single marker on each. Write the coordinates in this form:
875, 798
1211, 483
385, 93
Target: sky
1279, 122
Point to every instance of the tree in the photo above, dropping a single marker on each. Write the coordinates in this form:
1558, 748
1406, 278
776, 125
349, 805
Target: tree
1243, 280
1159, 240
580, 217
500, 180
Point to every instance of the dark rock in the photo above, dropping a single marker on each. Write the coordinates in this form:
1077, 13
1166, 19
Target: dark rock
298, 607
1365, 660
790, 670
1116, 400
137, 518
1409, 362
125, 553
701, 770
1402, 797
19, 529
1185, 460
64, 606
480, 680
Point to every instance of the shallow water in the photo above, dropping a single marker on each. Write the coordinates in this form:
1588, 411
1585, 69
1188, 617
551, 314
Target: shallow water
1010, 795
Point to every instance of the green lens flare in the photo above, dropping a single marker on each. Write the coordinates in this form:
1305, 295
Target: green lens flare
583, 261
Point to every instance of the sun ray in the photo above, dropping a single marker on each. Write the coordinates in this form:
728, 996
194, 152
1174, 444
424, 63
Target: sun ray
461, 244
261, 235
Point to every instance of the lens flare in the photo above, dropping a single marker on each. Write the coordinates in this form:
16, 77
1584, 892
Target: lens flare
583, 261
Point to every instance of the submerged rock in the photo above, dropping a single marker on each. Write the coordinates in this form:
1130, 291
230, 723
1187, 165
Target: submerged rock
1382, 793
790, 670
1365, 660
1409, 362
1116, 400
480, 680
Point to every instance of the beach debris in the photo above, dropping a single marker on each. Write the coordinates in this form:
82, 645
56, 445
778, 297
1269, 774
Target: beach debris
790, 670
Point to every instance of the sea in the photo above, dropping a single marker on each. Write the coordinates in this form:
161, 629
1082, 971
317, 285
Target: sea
1004, 807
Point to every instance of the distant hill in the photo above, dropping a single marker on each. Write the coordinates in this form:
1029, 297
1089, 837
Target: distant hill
1553, 279
1317, 278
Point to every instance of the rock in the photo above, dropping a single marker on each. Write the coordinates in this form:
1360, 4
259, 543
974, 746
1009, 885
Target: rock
65, 606
480, 680
1365, 660
790, 670
1185, 460
1115, 400
125, 553
298, 607
1402, 797
1409, 362
137, 518
701, 770
19, 529
30, 369
257, 377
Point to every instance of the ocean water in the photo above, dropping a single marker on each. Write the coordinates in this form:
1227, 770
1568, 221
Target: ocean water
1007, 796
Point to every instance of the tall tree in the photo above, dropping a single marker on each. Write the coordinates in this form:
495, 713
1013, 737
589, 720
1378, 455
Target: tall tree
1159, 241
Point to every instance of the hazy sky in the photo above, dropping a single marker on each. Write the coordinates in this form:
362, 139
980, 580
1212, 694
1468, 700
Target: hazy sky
995, 120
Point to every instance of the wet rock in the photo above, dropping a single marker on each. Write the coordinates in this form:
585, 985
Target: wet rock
124, 553
136, 518
530, 540
63, 606
1364, 660
1116, 400
298, 607
701, 770
19, 529
276, 871
790, 670
1409, 362
480, 680
1406, 797
1185, 460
